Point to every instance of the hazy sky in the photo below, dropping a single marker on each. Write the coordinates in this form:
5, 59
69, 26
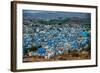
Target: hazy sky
37, 13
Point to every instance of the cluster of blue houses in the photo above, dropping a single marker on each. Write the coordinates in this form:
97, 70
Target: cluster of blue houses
53, 39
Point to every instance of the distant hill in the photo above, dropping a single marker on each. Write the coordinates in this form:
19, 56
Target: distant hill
54, 14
